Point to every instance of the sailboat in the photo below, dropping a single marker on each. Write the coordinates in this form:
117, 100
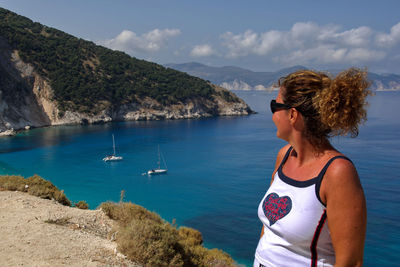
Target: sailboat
158, 170
113, 157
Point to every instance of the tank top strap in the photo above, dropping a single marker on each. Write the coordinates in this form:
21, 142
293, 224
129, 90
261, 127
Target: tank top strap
286, 157
322, 173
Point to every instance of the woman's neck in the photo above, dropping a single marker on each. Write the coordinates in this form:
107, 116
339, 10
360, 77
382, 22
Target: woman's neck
305, 152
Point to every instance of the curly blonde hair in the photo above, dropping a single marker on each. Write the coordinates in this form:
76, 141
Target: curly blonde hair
330, 106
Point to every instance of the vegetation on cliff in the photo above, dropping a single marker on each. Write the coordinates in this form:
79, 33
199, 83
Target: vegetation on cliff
86, 77
145, 238
35, 185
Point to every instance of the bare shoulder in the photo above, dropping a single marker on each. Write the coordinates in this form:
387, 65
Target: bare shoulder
279, 158
341, 178
341, 171
281, 153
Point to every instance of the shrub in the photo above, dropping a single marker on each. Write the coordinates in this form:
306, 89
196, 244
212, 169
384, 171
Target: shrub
45, 189
190, 236
82, 205
150, 243
147, 239
36, 186
13, 183
124, 212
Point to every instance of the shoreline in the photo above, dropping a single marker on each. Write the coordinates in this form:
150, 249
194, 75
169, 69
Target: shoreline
13, 132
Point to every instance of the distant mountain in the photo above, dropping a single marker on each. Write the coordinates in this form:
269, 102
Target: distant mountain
385, 82
235, 78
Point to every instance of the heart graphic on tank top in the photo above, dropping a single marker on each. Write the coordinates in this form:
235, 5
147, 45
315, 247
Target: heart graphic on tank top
275, 207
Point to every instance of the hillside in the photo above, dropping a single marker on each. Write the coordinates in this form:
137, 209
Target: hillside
234, 78
49, 77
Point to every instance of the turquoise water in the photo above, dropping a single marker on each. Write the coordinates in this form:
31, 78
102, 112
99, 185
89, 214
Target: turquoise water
219, 169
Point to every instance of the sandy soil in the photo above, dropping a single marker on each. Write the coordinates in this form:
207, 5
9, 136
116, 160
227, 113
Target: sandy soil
40, 232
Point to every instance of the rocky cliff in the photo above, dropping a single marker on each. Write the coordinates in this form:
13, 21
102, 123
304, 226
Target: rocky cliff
49, 77
26, 100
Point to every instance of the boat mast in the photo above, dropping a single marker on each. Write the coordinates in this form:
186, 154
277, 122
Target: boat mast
113, 144
165, 164
159, 165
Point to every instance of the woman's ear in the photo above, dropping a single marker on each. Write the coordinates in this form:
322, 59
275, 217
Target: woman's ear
296, 119
293, 115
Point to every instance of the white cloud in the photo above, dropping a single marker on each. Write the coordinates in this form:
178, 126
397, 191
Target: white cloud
270, 41
391, 39
241, 44
358, 37
202, 51
364, 54
152, 41
310, 43
328, 54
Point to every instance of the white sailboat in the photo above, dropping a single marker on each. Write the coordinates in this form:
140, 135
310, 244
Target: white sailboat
113, 157
158, 170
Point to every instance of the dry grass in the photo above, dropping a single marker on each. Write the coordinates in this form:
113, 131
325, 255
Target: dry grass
147, 239
35, 186
59, 221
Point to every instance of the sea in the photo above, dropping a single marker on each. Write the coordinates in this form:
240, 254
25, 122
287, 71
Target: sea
218, 170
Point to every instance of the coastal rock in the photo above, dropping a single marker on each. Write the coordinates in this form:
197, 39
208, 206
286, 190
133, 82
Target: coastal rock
9, 132
26, 98
18, 104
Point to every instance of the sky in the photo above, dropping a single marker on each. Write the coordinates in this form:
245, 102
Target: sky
259, 35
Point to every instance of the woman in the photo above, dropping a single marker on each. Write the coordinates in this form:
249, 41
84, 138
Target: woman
314, 213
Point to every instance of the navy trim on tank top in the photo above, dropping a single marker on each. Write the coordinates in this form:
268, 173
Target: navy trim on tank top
316, 180
321, 176
292, 181
314, 242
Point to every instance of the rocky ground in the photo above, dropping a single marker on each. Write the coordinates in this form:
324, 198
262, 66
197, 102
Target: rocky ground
40, 232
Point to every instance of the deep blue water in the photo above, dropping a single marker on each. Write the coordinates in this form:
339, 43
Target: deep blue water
219, 169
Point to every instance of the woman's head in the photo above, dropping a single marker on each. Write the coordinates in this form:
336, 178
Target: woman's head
328, 106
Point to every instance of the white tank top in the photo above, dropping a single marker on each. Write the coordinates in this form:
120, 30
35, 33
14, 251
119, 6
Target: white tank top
295, 223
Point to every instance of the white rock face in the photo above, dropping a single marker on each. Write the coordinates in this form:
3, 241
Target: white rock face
9, 132
241, 85
18, 104
236, 85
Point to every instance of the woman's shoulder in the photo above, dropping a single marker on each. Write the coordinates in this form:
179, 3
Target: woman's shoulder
282, 152
340, 180
280, 156
341, 170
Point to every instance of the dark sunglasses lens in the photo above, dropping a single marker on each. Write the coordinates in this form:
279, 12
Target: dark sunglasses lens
273, 106
278, 106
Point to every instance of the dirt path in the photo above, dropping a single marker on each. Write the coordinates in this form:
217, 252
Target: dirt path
74, 237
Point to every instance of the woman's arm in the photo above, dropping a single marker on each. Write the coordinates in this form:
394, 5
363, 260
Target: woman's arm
346, 212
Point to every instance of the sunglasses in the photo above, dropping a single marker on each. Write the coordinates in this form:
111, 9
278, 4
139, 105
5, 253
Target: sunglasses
278, 106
